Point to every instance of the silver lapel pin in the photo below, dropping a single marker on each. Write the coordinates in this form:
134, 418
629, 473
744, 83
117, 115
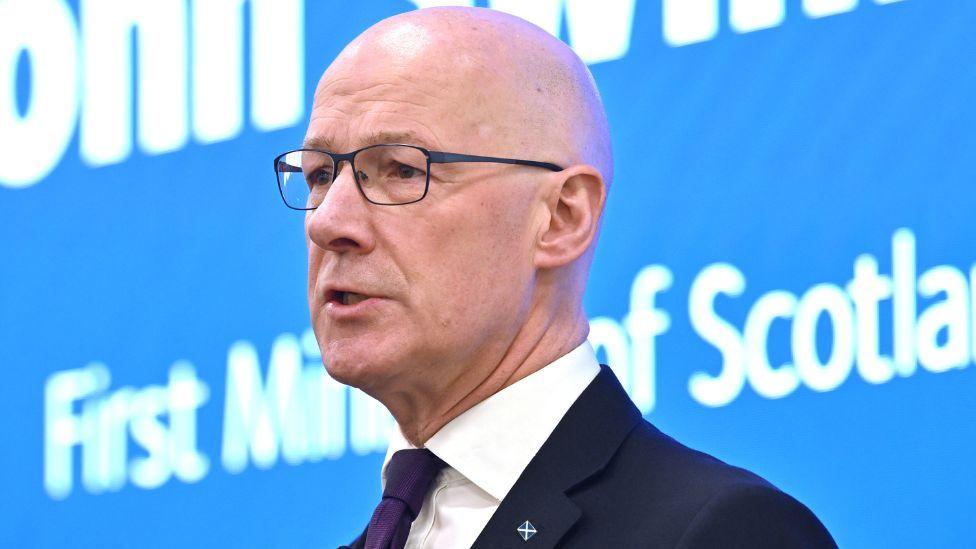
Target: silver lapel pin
526, 530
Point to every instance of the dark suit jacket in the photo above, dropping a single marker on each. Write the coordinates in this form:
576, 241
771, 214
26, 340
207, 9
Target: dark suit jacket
606, 478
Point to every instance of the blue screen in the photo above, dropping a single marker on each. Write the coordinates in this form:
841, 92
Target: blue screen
785, 278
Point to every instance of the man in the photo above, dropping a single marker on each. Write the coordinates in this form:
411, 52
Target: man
455, 169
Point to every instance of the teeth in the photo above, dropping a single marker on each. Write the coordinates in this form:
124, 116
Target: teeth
349, 298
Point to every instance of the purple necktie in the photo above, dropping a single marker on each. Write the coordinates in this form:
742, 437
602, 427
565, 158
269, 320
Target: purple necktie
408, 477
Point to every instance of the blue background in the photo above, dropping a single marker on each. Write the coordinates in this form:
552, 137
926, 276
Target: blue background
786, 152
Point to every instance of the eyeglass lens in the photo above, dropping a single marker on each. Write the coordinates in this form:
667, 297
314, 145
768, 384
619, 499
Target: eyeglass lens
386, 174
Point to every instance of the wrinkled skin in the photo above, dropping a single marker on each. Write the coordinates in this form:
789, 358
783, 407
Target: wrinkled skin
481, 282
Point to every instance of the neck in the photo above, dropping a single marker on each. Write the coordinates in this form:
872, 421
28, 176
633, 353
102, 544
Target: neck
533, 348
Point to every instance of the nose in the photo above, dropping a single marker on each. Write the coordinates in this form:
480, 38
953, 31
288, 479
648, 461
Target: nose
342, 222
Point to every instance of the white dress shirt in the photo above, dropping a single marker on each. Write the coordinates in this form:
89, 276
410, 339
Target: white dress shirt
487, 447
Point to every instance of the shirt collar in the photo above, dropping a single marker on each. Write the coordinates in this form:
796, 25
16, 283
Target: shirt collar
493, 442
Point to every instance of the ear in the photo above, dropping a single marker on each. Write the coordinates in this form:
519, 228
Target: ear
574, 205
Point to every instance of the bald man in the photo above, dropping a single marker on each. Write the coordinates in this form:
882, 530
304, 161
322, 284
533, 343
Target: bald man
454, 172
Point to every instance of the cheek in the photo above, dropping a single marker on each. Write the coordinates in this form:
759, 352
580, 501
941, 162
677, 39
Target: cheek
314, 261
480, 266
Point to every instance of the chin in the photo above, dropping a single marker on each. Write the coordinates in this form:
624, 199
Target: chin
362, 368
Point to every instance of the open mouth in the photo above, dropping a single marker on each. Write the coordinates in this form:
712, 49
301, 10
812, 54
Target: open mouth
346, 298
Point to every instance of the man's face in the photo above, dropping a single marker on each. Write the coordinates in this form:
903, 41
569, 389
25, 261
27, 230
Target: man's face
447, 280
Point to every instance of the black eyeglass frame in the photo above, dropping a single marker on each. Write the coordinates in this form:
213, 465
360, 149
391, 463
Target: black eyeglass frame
433, 157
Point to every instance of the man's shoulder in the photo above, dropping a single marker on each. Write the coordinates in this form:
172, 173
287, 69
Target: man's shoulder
681, 497
608, 478
677, 469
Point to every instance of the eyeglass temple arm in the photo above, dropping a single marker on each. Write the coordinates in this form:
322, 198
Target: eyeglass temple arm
439, 157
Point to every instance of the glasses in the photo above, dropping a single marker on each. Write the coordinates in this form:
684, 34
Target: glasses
387, 174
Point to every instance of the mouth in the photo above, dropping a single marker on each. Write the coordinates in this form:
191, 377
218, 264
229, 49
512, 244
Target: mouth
343, 297
345, 304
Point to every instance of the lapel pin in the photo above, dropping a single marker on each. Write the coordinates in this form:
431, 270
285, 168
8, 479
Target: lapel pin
526, 530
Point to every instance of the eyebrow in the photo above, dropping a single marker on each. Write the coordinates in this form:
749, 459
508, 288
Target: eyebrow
374, 138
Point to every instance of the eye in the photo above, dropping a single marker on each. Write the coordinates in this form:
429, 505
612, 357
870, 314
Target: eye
407, 172
319, 177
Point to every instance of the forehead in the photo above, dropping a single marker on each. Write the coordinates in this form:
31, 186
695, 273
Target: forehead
439, 92
359, 104
325, 140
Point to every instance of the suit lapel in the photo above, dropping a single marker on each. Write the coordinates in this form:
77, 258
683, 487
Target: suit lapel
582, 444
549, 512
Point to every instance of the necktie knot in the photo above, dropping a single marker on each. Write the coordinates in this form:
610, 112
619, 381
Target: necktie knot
408, 477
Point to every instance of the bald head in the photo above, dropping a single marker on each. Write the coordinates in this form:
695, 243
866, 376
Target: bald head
504, 80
